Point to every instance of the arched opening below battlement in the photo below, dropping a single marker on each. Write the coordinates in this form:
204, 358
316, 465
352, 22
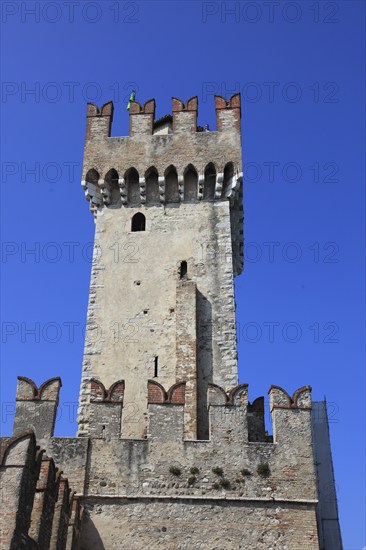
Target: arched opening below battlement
152, 187
190, 184
111, 180
133, 187
171, 185
209, 183
138, 222
228, 179
92, 176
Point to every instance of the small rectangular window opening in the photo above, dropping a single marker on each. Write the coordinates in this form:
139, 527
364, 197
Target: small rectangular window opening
183, 270
156, 366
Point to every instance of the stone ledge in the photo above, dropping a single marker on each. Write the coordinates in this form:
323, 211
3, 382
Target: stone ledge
193, 497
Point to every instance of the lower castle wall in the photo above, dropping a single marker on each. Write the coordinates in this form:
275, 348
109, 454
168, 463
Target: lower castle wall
133, 500
208, 525
124, 467
164, 491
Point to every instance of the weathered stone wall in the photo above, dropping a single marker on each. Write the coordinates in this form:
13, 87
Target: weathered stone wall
123, 467
71, 455
132, 315
260, 492
204, 524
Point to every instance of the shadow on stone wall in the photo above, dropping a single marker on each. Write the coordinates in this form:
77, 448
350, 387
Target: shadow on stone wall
91, 537
204, 362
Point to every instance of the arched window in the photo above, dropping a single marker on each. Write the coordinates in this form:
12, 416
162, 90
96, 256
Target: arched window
190, 184
138, 222
111, 180
133, 187
171, 185
209, 182
152, 187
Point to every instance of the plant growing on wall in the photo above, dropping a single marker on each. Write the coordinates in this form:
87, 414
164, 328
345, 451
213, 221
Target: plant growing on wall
225, 483
263, 469
175, 470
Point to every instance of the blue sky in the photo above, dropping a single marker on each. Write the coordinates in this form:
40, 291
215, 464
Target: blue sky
300, 302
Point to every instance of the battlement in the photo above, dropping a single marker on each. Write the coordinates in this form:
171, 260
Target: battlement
234, 406
283, 406
161, 462
280, 399
27, 390
36, 407
166, 161
184, 119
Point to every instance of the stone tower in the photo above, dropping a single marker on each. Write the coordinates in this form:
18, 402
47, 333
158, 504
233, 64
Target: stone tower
168, 243
170, 453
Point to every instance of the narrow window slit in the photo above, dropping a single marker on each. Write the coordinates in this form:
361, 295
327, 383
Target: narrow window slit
183, 270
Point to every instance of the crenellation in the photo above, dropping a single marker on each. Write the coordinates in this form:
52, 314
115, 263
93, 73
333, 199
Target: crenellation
99, 122
141, 118
228, 113
185, 115
185, 142
36, 407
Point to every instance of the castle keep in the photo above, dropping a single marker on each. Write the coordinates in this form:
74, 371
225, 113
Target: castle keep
170, 452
